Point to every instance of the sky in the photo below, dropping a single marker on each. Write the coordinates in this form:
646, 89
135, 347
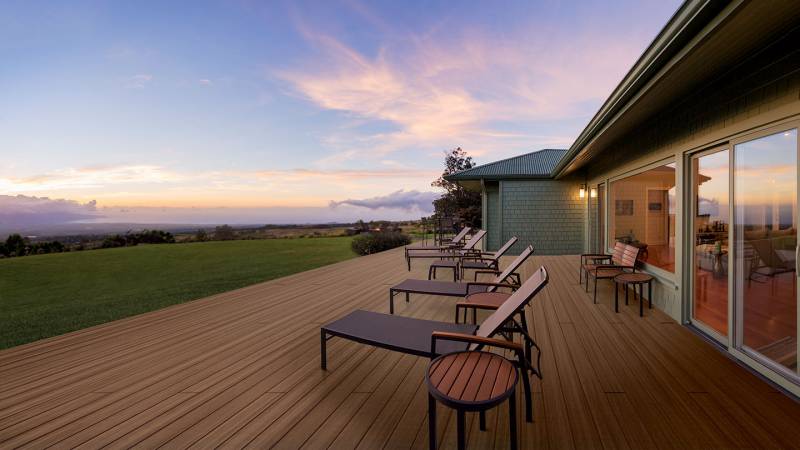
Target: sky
250, 111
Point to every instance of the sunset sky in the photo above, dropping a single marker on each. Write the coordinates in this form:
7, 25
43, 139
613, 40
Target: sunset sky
172, 110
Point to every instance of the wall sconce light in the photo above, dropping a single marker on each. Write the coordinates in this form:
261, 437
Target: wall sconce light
582, 191
593, 193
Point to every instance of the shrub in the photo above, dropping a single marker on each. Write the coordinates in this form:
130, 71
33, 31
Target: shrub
368, 243
224, 233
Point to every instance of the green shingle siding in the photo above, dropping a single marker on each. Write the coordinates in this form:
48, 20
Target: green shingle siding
493, 217
546, 213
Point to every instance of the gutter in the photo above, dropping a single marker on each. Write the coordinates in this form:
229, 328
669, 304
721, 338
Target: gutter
685, 24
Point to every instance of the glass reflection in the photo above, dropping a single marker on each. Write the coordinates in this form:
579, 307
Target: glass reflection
766, 240
710, 182
642, 213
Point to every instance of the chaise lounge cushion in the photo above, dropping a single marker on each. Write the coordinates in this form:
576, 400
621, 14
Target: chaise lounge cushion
435, 287
397, 333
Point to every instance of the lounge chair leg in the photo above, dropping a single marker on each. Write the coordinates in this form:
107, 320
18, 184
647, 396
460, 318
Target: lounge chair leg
458, 309
431, 422
474, 316
407, 300
430, 271
323, 350
526, 384
482, 417
524, 324
391, 301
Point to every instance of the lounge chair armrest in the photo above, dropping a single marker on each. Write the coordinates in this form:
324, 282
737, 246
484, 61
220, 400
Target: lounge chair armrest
477, 258
472, 339
489, 271
612, 266
513, 287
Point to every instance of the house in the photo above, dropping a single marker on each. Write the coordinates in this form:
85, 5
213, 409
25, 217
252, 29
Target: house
521, 198
693, 158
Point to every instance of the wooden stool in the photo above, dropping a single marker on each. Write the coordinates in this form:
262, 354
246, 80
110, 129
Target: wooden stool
471, 381
444, 264
635, 279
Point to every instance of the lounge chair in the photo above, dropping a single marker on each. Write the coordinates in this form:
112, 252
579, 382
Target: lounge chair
457, 241
467, 250
458, 289
487, 262
431, 338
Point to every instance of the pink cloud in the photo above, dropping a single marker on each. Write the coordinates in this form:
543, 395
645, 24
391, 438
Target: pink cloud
440, 91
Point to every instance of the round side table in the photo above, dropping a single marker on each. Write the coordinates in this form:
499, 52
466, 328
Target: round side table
634, 279
471, 381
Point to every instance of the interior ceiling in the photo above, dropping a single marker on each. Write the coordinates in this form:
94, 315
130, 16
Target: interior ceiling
749, 28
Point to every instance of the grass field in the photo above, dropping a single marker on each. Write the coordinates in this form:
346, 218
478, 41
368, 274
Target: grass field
48, 295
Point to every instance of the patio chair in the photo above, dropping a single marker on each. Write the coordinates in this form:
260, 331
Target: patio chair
591, 259
456, 241
619, 264
467, 250
486, 262
459, 289
430, 338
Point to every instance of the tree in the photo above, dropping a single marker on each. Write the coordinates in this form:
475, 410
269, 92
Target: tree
457, 201
224, 233
201, 235
16, 245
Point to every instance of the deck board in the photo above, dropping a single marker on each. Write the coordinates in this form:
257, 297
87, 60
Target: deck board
241, 369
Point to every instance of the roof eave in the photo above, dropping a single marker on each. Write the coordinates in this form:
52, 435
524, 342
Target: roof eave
499, 177
688, 20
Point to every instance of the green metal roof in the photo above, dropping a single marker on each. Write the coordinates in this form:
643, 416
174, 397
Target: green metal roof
538, 164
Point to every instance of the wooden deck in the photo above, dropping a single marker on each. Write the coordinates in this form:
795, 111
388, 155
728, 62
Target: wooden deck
242, 369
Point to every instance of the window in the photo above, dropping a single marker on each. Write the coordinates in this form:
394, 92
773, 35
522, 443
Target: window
765, 238
642, 213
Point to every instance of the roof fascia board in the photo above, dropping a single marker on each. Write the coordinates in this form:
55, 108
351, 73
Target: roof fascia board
628, 93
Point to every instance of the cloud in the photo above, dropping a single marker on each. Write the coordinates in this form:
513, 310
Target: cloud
90, 178
205, 82
155, 185
24, 211
404, 200
138, 81
471, 88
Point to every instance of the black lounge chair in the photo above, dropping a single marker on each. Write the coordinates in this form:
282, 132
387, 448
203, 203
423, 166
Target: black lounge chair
457, 241
467, 250
431, 338
458, 289
487, 262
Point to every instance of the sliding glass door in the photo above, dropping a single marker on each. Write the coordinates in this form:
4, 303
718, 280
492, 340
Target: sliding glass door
710, 206
765, 249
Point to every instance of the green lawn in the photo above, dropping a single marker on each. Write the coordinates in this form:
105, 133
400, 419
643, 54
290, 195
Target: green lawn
48, 295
